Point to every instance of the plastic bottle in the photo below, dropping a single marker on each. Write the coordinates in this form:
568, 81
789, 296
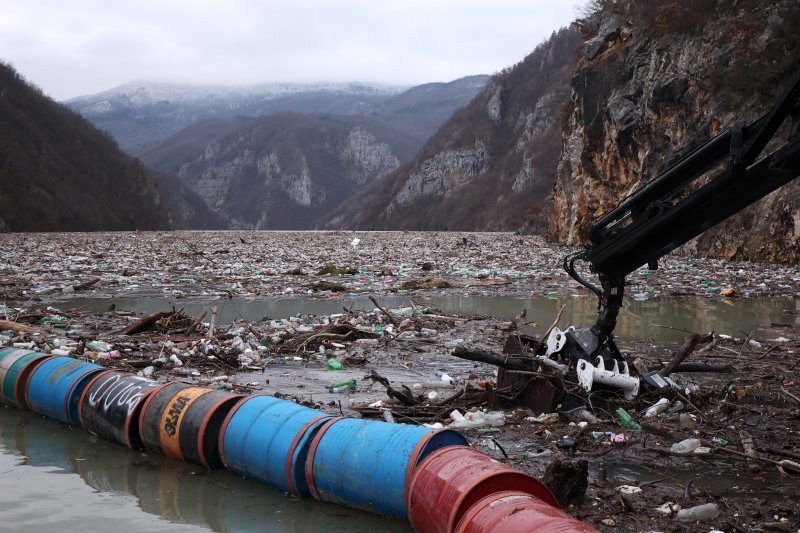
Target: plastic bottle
659, 407
343, 386
333, 364
686, 421
387, 415
685, 446
445, 377
707, 511
626, 419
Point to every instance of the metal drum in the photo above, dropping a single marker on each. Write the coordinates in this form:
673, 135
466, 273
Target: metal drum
16, 367
56, 386
183, 422
111, 404
267, 439
365, 464
451, 480
518, 512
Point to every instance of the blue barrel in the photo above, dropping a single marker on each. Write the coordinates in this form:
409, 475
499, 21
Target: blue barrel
367, 464
16, 367
56, 385
267, 439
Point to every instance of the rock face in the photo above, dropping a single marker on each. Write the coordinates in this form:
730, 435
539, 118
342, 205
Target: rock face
284, 171
491, 165
655, 82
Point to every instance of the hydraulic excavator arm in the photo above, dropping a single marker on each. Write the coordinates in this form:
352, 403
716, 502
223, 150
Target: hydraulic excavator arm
716, 180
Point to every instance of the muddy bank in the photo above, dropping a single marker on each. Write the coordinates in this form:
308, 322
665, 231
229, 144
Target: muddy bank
752, 394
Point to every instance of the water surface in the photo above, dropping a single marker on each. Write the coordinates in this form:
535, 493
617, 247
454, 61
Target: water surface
57, 479
660, 319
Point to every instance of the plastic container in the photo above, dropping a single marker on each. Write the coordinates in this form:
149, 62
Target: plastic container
657, 408
450, 481
627, 420
267, 439
342, 386
685, 446
368, 465
707, 511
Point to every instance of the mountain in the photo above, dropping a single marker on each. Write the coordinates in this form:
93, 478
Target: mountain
282, 171
655, 81
140, 114
60, 173
491, 165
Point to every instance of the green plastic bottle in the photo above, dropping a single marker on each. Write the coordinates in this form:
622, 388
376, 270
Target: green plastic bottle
626, 419
333, 364
342, 386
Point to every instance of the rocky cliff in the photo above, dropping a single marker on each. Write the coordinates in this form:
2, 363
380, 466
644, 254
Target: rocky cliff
283, 171
491, 165
657, 78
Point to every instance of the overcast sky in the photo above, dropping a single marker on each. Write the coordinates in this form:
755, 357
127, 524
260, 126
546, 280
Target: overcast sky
77, 47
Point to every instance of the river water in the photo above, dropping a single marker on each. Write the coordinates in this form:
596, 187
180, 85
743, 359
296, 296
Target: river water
53, 478
56, 479
661, 319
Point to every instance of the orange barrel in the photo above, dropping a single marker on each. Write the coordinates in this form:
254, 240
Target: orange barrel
111, 404
451, 480
16, 367
518, 512
183, 422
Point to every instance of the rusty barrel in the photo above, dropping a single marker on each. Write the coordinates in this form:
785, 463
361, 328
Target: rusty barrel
518, 512
267, 439
183, 422
16, 367
451, 480
366, 464
56, 385
111, 404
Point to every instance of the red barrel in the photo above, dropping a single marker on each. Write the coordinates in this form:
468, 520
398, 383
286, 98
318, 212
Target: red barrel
451, 480
111, 404
518, 512
183, 422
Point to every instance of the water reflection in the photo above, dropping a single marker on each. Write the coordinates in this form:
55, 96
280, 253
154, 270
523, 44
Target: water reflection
174, 492
661, 319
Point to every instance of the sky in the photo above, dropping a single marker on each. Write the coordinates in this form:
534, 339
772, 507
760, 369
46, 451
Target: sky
72, 48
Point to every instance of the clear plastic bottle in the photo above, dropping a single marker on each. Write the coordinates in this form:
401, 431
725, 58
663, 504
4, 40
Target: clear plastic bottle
685, 446
707, 511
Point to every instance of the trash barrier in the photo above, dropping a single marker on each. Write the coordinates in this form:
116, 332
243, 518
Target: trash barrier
451, 480
518, 512
16, 367
183, 422
111, 404
430, 476
267, 439
367, 464
56, 385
